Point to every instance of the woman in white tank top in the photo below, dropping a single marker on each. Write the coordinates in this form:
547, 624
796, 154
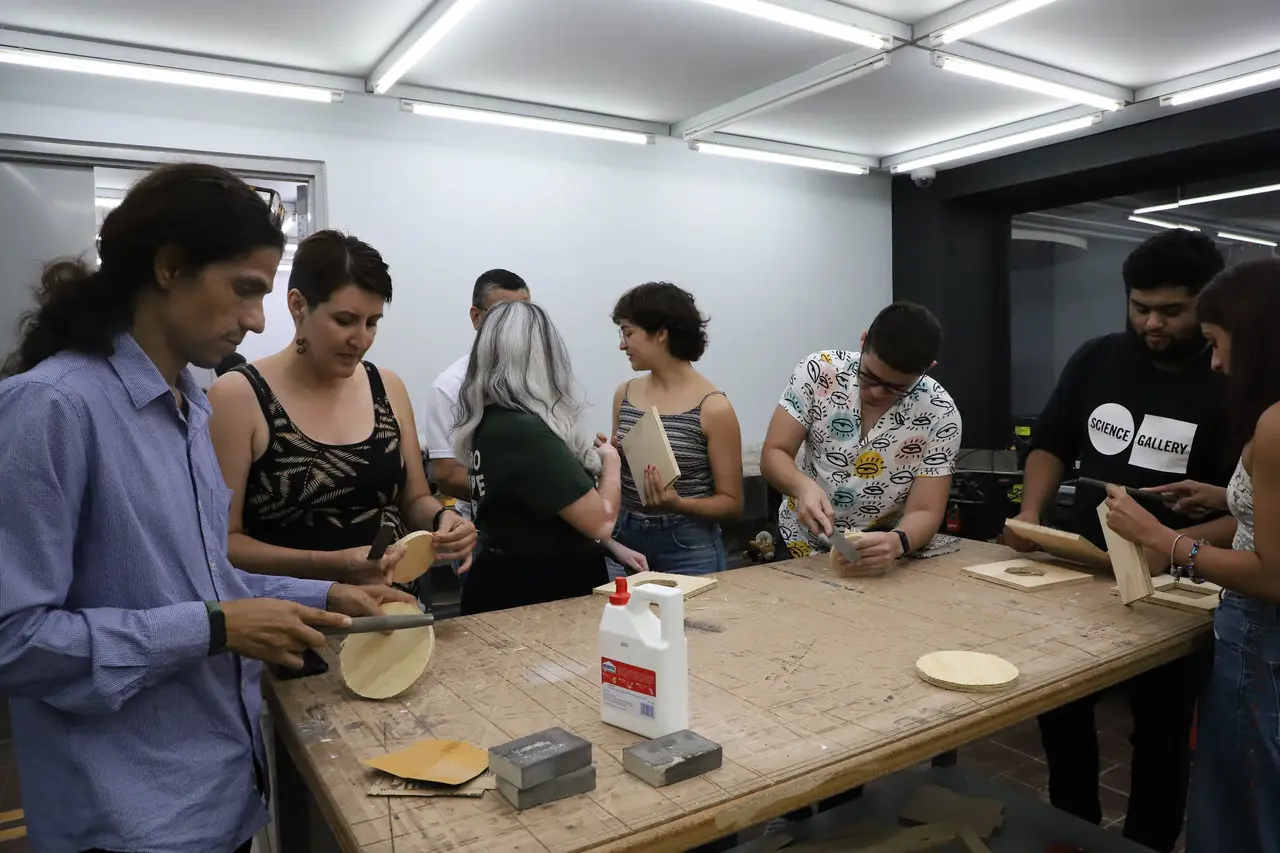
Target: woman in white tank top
1235, 786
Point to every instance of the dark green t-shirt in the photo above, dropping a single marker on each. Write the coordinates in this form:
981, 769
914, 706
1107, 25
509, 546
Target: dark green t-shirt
521, 476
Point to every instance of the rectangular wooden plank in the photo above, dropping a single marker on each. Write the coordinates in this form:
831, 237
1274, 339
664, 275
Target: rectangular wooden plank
646, 444
689, 584
1049, 576
1059, 543
1128, 561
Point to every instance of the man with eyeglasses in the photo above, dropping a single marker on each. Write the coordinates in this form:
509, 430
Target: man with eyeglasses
436, 418
880, 440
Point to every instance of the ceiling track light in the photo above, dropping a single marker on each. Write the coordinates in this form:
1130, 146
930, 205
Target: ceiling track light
1160, 223
986, 20
743, 153
997, 144
1026, 82
1222, 87
589, 131
1241, 238
1206, 199
781, 14
428, 32
158, 74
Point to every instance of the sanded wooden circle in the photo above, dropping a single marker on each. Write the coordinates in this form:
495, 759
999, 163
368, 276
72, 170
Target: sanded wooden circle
380, 665
420, 553
966, 671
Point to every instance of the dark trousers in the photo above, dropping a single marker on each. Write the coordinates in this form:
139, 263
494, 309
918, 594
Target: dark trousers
1163, 705
244, 848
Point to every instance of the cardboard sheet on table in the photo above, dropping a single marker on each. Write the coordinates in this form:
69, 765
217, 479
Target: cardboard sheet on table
449, 762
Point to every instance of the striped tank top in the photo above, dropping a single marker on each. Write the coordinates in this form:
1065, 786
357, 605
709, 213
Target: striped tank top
688, 445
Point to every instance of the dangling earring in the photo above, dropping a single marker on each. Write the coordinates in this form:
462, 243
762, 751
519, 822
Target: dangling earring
301, 345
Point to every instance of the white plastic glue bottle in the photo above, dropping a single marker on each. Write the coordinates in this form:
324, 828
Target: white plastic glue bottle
644, 661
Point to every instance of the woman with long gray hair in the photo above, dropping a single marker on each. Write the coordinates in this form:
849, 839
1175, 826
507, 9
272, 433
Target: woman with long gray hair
544, 491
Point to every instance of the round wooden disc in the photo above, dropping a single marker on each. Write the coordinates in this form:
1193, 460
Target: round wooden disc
379, 665
420, 553
966, 671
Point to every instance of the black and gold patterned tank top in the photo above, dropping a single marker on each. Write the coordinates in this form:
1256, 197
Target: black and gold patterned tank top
323, 497
688, 445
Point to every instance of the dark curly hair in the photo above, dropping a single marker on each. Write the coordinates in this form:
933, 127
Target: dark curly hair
328, 261
905, 336
1173, 258
658, 305
205, 213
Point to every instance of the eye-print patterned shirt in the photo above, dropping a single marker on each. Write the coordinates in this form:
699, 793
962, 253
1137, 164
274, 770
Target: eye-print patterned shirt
866, 479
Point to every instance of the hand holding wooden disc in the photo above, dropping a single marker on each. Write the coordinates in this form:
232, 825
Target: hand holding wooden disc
419, 554
972, 672
380, 665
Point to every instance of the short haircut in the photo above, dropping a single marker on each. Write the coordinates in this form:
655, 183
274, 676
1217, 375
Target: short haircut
1173, 258
658, 305
906, 337
495, 280
328, 261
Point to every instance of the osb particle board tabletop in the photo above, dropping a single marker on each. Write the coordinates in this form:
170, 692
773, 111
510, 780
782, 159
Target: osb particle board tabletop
806, 679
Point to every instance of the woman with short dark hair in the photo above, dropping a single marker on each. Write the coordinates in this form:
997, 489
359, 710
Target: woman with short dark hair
674, 527
1235, 781
319, 446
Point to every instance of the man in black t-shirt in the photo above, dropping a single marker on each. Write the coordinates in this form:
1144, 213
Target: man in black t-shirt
1138, 408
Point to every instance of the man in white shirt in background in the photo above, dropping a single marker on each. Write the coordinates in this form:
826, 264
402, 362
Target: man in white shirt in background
441, 402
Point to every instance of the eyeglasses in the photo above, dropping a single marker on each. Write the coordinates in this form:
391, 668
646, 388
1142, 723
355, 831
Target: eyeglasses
274, 201
869, 379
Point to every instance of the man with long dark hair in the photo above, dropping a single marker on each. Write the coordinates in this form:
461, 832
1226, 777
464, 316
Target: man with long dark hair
129, 646
1137, 408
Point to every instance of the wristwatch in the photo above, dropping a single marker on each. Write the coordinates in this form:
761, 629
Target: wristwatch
906, 543
435, 520
217, 628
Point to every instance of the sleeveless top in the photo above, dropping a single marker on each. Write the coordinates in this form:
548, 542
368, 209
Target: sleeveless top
688, 445
1240, 502
323, 497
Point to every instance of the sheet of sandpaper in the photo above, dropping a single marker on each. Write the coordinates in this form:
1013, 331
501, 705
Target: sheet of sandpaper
391, 786
449, 762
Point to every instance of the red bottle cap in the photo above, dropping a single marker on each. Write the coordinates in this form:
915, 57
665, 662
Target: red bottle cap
620, 595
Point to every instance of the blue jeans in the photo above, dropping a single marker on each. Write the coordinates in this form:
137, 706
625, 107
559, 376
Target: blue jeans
1235, 779
676, 544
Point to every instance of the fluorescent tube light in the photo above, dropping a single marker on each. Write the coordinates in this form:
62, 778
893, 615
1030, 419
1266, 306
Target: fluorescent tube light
1222, 87
804, 21
1243, 239
429, 39
1160, 223
107, 203
1156, 208
990, 18
156, 74
992, 74
529, 123
1205, 199
775, 157
1003, 142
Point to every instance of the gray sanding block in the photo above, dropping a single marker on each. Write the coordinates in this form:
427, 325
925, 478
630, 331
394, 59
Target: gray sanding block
672, 758
570, 784
539, 757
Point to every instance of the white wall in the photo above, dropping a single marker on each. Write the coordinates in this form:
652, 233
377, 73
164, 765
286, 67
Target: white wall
784, 260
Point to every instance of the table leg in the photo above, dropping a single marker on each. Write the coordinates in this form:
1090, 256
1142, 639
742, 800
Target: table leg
293, 824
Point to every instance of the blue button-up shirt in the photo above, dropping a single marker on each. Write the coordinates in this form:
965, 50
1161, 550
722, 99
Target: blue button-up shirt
113, 532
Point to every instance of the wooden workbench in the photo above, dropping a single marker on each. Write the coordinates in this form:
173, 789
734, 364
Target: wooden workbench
806, 679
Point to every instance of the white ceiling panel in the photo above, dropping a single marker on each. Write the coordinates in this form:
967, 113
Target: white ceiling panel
654, 60
1137, 43
902, 11
908, 105
335, 36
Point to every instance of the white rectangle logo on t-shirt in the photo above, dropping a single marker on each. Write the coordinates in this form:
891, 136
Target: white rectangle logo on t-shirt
1163, 444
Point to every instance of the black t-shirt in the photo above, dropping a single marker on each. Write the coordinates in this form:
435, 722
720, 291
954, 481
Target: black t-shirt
1131, 423
522, 475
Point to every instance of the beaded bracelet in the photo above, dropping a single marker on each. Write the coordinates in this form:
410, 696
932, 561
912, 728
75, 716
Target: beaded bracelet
1191, 562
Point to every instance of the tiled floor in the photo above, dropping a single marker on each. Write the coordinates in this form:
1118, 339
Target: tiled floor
1013, 757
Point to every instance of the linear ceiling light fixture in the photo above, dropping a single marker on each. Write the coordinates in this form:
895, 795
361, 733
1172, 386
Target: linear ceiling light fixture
1240, 238
570, 128
992, 74
775, 157
987, 19
1011, 141
157, 74
804, 21
1160, 223
1205, 199
1222, 87
440, 19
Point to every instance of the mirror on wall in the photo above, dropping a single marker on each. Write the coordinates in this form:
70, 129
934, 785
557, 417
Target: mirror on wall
1065, 285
